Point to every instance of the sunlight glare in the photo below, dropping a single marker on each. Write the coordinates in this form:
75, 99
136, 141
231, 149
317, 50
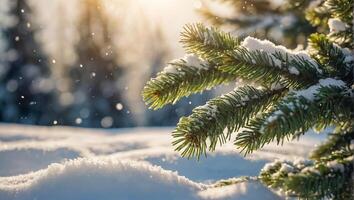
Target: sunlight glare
155, 4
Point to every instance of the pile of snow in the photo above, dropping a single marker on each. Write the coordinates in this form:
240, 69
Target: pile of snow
189, 60
253, 44
312, 91
336, 25
99, 179
81, 164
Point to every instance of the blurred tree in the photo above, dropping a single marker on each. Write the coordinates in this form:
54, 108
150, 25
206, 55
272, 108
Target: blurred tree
26, 91
98, 94
279, 21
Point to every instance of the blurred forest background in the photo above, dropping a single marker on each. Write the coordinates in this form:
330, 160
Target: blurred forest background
84, 62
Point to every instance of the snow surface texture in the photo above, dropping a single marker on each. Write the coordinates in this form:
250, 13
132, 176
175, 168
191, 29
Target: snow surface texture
83, 164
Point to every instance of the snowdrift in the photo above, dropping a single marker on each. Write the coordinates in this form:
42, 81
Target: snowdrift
83, 164
94, 179
110, 179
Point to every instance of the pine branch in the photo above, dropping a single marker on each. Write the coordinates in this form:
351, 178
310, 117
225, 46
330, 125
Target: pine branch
330, 55
318, 186
325, 178
295, 115
335, 142
184, 80
259, 66
214, 122
318, 16
208, 43
264, 68
343, 38
342, 9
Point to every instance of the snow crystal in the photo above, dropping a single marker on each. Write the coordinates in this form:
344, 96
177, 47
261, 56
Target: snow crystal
254, 44
310, 92
336, 25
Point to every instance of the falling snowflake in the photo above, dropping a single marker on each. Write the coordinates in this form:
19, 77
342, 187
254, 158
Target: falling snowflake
78, 120
119, 106
107, 122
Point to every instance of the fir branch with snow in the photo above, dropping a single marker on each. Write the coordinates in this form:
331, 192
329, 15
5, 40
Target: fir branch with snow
292, 93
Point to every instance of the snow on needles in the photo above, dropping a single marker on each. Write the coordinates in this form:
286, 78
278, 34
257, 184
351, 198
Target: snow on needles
336, 25
189, 60
311, 92
254, 44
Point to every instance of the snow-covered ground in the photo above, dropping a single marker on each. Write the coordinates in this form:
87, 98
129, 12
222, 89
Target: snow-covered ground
81, 164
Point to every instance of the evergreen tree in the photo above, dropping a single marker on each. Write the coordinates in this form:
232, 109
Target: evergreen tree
95, 75
25, 86
288, 93
280, 21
